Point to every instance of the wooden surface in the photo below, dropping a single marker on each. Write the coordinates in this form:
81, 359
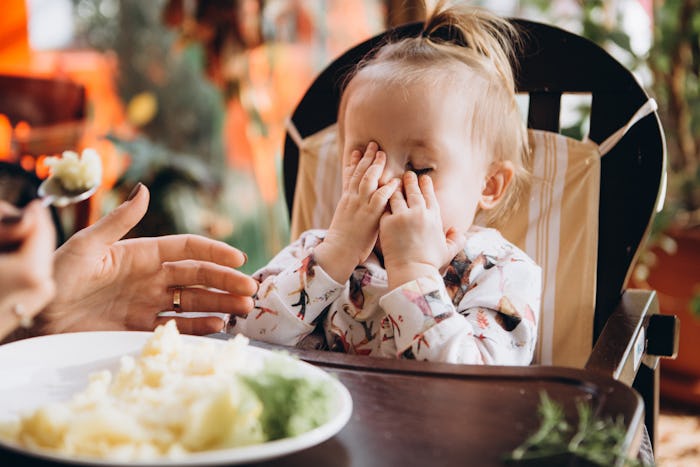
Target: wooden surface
419, 413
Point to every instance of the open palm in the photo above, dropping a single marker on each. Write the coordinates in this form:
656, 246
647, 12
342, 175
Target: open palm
104, 283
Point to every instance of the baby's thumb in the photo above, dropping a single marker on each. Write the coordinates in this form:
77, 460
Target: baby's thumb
455, 241
117, 223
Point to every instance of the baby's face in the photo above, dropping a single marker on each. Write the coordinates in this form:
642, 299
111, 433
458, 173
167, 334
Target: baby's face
421, 129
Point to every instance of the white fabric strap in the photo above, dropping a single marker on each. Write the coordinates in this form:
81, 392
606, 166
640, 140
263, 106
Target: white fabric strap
649, 106
293, 132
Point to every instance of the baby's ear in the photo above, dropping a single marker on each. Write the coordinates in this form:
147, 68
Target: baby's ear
495, 184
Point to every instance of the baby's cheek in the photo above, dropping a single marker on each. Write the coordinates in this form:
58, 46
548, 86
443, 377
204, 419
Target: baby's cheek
454, 212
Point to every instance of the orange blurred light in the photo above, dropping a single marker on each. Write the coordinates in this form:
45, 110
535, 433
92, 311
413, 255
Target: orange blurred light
42, 170
5, 138
22, 131
14, 35
27, 163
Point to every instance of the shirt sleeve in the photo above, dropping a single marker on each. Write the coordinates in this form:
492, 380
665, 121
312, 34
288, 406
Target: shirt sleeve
294, 291
493, 322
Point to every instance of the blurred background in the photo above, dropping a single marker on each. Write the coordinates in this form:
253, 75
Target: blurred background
191, 97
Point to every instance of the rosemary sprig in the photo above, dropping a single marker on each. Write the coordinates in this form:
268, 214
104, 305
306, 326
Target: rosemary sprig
593, 440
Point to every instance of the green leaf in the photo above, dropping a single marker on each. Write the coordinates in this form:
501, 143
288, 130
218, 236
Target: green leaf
594, 441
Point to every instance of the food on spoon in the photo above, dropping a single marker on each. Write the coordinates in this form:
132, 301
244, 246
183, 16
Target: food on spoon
177, 398
76, 173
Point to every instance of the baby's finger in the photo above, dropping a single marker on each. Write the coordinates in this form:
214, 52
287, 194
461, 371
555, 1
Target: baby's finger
397, 203
370, 180
426, 187
349, 168
362, 166
381, 197
414, 197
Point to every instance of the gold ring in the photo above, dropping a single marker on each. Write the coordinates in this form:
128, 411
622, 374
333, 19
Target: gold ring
25, 319
177, 295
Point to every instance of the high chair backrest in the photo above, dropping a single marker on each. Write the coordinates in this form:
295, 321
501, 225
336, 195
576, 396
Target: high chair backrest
626, 182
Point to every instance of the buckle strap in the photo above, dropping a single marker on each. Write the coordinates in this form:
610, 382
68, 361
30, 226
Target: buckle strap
647, 108
293, 132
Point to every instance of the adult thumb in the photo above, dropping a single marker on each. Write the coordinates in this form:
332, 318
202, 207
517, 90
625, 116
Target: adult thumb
119, 222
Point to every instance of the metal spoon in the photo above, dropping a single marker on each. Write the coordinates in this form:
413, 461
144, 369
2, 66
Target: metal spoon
52, 192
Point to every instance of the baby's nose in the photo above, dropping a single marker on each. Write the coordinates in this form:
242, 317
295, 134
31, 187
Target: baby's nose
392, 170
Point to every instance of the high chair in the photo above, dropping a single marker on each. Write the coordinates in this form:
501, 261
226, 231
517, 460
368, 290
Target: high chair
584, 219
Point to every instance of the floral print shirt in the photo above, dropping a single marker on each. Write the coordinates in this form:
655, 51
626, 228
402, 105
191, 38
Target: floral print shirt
483, 310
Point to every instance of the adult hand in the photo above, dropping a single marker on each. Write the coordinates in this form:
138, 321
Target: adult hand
413, 241
104, 283
27, 241
355, 225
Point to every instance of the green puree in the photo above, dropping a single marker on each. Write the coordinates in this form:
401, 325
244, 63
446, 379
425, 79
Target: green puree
292, 404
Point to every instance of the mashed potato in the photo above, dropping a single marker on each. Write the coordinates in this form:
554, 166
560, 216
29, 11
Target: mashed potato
174, 398
76, 173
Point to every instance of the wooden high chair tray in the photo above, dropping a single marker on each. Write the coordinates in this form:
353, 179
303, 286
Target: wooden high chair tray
409, 412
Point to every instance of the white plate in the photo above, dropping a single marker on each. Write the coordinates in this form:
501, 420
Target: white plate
52, 368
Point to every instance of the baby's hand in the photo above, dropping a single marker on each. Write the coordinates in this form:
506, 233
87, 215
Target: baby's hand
355, 225
413, 241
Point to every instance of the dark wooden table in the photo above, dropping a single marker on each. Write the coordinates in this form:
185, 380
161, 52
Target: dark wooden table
409, 413
432, 414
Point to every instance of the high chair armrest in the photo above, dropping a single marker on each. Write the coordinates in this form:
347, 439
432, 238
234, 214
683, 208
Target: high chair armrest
634, 334
622, 345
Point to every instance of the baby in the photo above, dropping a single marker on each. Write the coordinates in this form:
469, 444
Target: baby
431, 136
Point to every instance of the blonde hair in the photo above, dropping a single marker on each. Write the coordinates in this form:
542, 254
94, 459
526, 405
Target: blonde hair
464, 42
